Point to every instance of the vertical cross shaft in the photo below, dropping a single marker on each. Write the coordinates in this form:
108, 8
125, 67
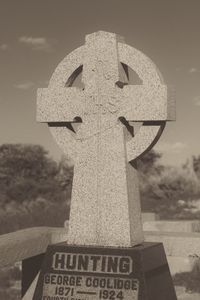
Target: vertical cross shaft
105, 189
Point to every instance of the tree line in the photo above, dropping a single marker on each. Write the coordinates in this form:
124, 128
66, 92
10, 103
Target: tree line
35, 190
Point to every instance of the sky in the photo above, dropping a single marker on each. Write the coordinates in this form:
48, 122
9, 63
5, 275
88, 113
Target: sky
36, 35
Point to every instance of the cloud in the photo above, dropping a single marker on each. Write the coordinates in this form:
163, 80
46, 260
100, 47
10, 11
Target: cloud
193, 70
37, 43
197, 100
171, 148
3, 47
24, 85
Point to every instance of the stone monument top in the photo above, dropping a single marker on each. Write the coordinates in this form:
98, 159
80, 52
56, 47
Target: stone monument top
95, 127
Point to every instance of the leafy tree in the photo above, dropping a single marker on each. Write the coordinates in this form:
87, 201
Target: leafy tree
149, 163
35, 190
27, 172
168, 191
65, 176
148, 170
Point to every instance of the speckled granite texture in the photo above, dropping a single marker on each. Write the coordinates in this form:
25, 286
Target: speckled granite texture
105, 206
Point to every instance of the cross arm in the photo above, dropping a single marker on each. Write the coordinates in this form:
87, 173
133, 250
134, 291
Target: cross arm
59, 105
148, 103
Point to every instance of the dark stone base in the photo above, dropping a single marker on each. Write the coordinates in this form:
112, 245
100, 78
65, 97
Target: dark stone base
89, 273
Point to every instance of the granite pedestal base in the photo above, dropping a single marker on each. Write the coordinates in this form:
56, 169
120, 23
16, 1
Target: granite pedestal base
90, 273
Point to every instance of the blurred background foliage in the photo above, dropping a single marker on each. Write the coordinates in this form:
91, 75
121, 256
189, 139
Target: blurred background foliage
171, 192
35, 190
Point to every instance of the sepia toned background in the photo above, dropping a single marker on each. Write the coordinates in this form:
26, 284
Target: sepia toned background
35, 184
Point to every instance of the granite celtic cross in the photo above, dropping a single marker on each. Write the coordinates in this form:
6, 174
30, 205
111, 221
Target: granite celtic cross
92, 126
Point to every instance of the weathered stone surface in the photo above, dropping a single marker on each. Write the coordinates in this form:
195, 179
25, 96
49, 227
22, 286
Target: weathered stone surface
172, 226
53, 106
180, 264
181, 244
105, 206
145, 275
149, 217
181, 248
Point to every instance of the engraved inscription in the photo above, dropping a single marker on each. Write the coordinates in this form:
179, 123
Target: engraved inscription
67, 287
92, 263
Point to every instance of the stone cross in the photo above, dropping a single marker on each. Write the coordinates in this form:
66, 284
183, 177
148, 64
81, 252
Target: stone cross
93, 126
